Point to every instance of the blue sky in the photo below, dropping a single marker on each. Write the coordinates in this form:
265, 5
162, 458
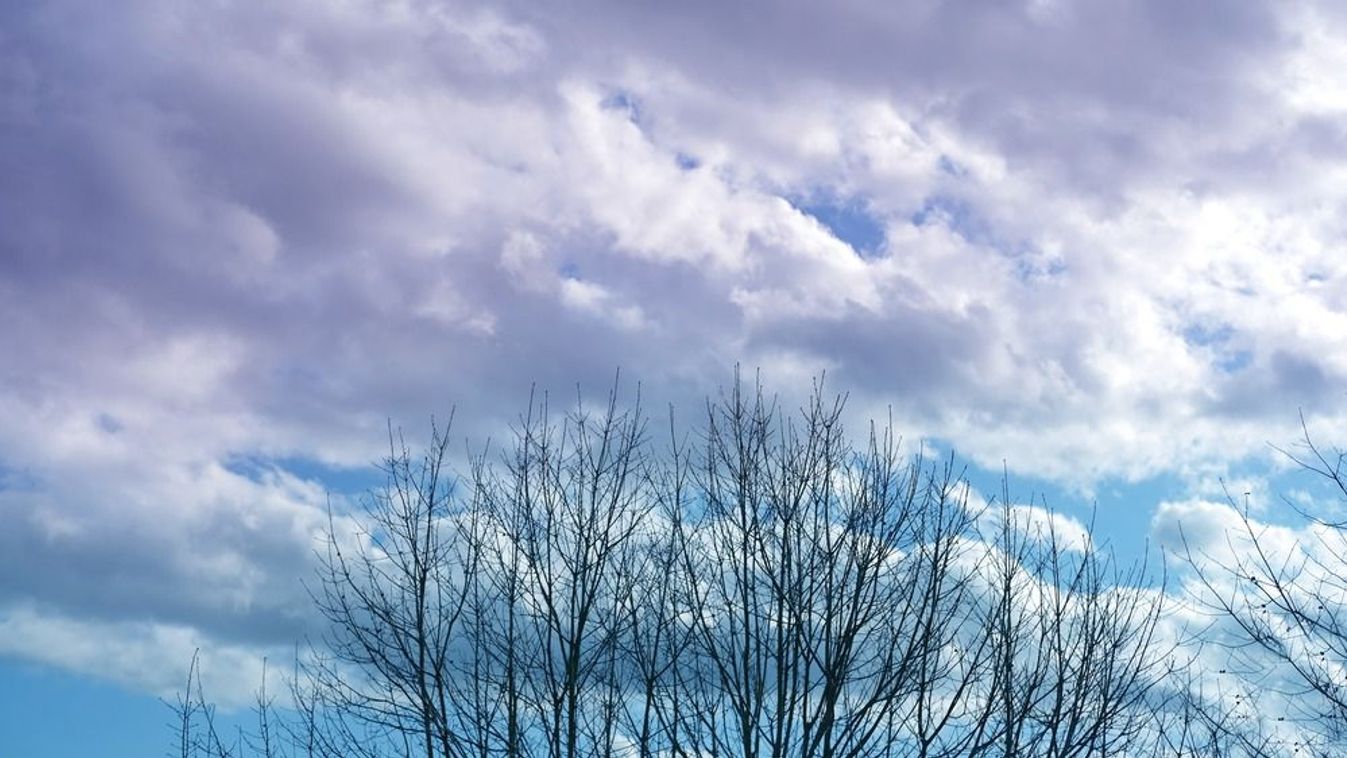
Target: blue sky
1097, 244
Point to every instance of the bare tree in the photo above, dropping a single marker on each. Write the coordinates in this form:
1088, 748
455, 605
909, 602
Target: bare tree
765, 586
1195, 722
1278, 600
394, 595
823, 589
571, 499
194, 720
1074, 656
656, 644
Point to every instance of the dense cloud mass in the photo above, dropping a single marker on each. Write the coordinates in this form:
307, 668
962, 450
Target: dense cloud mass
1096, 240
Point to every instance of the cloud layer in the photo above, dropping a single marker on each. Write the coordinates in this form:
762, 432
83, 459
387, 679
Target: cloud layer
1096, 240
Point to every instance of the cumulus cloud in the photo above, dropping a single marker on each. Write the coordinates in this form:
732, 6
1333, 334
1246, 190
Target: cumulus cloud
152, 657
1106, 246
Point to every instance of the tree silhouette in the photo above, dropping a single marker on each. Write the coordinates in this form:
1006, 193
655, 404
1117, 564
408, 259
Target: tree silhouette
761, 585
1278, 602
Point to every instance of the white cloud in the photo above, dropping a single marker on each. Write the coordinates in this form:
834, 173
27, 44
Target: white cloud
149, 656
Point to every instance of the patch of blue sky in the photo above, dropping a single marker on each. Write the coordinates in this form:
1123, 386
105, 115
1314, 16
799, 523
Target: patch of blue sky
14, 479
1234, 361
1218, 340
951, 167
353, 480
961, 218
1206, 335
848, 219
49, 713
626, 102
954, 213
687, 162
109, 423
1119, 512
1030, 267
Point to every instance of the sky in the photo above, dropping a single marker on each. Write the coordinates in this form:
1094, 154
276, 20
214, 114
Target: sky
1094, 245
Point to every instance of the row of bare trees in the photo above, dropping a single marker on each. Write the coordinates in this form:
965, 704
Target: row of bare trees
764, 585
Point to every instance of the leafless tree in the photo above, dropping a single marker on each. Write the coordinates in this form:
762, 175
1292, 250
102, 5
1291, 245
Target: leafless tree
194, 720
1195, 722
394, 595
655, 646
762, 586
1278, 601
821, 587
1075, 660
566, 511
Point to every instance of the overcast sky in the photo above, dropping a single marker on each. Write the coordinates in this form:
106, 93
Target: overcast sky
1101, 242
